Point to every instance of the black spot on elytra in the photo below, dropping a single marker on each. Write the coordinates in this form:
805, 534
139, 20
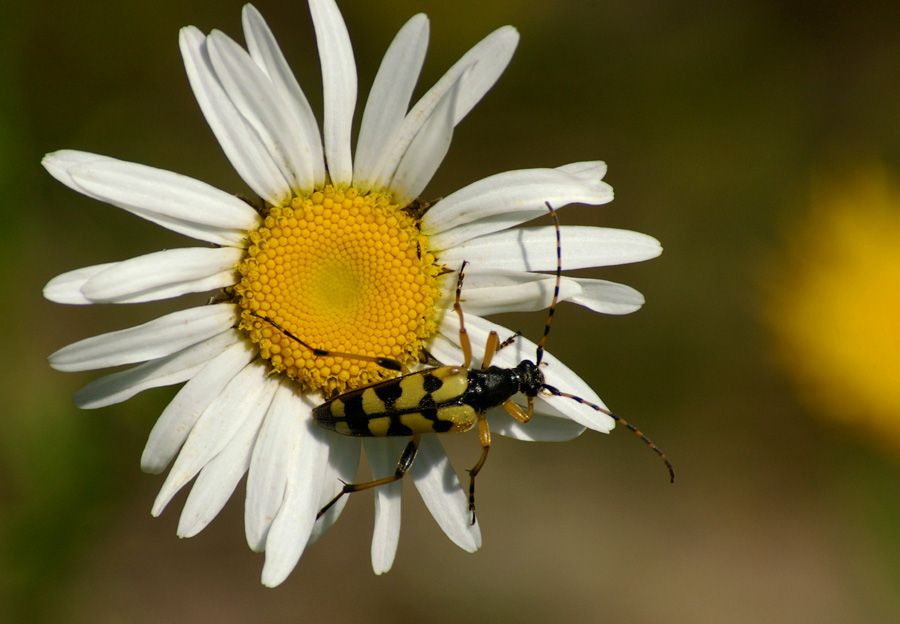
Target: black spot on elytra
353, 405
354, 416
440, 426
396, 428
388, 393
431, 383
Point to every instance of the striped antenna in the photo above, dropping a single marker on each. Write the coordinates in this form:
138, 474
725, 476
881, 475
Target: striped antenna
540, 347
387, 363
635, 430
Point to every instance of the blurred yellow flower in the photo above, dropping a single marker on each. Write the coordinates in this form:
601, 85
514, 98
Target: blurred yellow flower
835, 304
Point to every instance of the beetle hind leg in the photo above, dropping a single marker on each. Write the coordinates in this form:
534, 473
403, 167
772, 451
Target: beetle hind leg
484, 434
403, 466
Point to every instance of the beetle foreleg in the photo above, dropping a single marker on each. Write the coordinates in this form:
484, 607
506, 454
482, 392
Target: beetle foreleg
513, 409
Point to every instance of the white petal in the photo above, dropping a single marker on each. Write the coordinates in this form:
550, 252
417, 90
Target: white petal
508, 199
339, 85
556, 373
496, 292
219, 477
440, 490
66, 288
165, 192
243, 148
215, 428
343, 462
383, 455
177, 420
265, 51
155, 339
270, 465
218, 281
167, 371
291, 528
389, 99
487, 59
540, 428
608, 297
251, 92
427, 150
534, 249
59, 163
169, 199
586, 169
165, 274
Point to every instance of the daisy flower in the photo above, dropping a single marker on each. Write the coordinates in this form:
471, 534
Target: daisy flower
341, 252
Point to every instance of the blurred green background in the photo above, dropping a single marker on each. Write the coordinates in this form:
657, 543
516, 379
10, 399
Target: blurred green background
712, 117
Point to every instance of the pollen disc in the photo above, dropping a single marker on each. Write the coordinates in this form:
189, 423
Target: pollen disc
343, 272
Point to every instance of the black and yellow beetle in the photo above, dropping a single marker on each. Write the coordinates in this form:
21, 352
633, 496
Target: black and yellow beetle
444, 399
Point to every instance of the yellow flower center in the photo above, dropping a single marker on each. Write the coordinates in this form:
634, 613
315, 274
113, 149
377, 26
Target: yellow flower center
343, 272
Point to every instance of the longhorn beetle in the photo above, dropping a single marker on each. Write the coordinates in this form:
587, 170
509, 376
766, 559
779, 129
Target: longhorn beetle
444, 399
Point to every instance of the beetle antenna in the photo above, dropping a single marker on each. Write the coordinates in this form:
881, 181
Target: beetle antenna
540, 347
387, 363
635, 430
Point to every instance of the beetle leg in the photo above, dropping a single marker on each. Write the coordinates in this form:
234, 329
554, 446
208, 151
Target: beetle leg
403, 466
463, 334
513, 409
484, 433
508, 341
490, 348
